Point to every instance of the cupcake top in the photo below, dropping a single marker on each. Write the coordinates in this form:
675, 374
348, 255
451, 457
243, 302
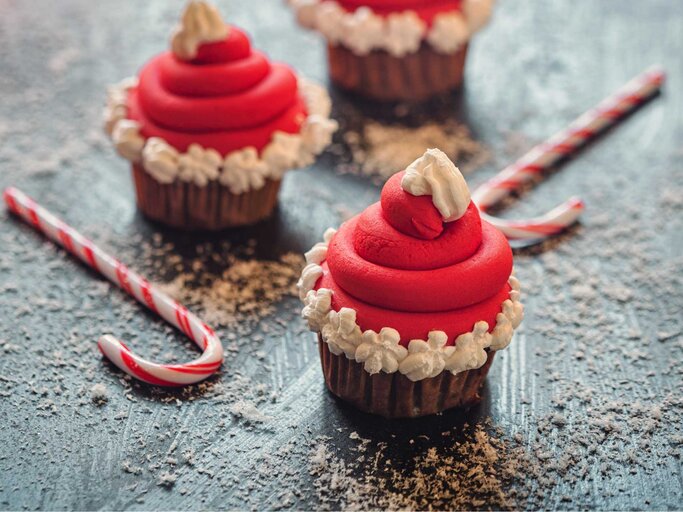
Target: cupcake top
213, 108
418, 282
399, 27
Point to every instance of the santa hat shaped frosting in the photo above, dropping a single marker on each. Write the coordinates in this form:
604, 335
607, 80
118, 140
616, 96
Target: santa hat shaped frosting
420, 264
200, 23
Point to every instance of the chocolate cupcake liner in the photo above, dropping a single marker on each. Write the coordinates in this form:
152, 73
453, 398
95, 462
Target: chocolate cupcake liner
393, 395
212, 207
381, 76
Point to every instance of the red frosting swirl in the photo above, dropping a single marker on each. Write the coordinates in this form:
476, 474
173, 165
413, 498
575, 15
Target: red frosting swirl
425, 9
395, 273
228, 97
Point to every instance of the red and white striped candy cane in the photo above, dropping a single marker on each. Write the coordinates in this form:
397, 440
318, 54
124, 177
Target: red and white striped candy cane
538, 228
136, 286
545, 155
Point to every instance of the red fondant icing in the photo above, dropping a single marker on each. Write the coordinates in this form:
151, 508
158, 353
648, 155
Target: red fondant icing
376, 241
222, 141
234, 47
414, 216
183, 79
227, 98
451, 287
425, 9
270, 97
417, 325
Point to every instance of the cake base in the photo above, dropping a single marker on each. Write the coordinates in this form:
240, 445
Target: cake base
381, 76
212, 207
393, 395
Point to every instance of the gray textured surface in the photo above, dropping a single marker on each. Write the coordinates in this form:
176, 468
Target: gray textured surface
585, 405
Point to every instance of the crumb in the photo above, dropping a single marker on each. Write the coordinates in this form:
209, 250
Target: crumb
99, 394
382, 150
248, 412
167, 479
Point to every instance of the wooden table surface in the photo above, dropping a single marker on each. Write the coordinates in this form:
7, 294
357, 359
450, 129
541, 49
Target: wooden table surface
583, 410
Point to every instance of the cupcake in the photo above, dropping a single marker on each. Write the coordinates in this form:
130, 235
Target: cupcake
211, 125
391, 50
412, 298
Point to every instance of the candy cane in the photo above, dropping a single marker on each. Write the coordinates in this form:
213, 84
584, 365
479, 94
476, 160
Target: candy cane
538, 228
136, 286
545, 155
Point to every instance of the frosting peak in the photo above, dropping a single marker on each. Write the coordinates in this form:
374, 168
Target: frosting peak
200, 23
433, 174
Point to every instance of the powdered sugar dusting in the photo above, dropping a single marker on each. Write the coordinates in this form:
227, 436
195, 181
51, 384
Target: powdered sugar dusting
471, 474
244, 292
381, 150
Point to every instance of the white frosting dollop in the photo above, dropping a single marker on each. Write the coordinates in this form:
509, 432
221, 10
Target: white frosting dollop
318, 102
449, 32
506, 322
403, 33
127, 139
241, 170
200, 23
312, 271
282, 153
199, 165
316, 135
382, 351
317, 305
341, 332
469, 350
161, 160
317, 253
435, 175
309, 276
328, 20
363, 30
426, 358
329, 233
116, 107
398, 33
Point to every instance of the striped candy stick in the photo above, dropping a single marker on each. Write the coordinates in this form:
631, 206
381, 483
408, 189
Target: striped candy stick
545, 155
544, 226
136, 286
538, 228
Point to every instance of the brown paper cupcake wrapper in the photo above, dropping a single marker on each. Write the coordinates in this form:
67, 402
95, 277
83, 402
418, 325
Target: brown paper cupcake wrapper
212, 207
381, 76
393, 395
